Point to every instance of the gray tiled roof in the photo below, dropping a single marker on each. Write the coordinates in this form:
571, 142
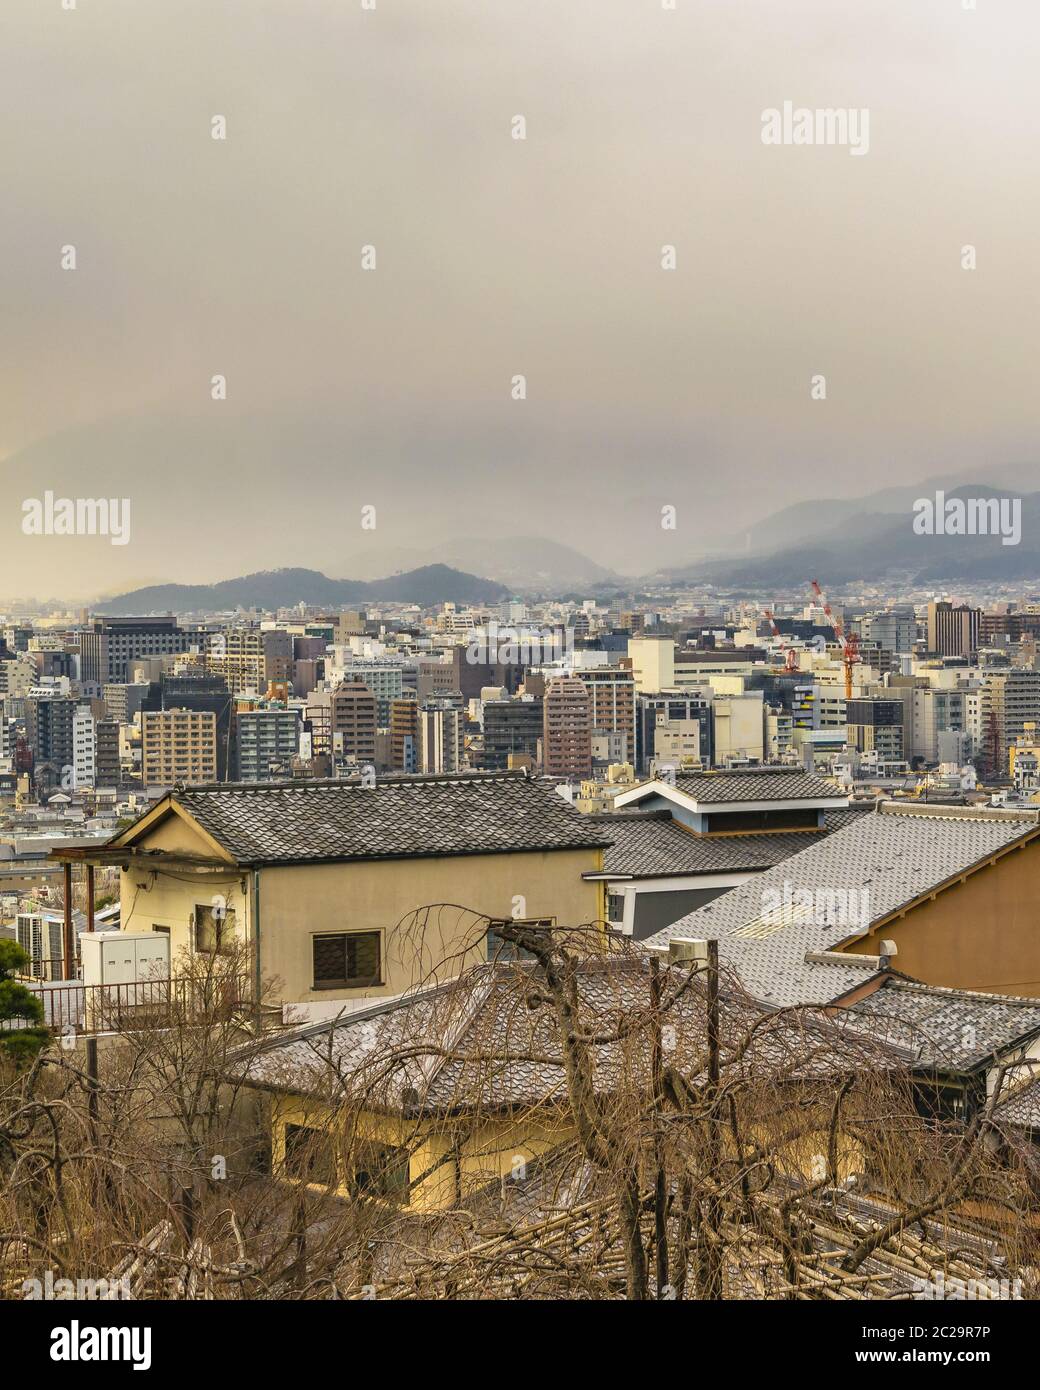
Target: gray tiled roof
479, 1042
954, 1028
891, 857
291, 822
653, 845
757, 784
1022, 1106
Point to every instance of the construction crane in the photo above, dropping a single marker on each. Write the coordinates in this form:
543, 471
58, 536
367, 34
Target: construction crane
849, 643
790, 655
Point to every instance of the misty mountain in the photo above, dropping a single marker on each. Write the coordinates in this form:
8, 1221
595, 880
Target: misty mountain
868, 545
284, 588
525, 564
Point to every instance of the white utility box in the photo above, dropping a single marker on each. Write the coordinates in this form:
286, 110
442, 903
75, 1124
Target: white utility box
124, 957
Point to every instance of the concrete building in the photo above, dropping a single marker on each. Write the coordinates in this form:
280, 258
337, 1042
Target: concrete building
567, 729
441, 740
512, 728
953, 631
178, 745
109, 645
266, 739
613, 695
876, 726
353, 711
84, 748
1010, 701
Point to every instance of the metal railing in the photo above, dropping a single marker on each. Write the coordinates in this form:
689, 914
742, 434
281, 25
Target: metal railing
70, 1006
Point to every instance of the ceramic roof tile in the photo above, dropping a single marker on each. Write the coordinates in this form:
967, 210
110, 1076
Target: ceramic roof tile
402, 817
853, 878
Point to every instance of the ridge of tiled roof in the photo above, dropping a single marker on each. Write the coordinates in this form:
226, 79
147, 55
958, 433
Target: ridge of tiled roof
756, 784
397, 817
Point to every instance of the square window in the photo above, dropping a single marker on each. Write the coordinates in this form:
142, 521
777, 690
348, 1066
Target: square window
347, 960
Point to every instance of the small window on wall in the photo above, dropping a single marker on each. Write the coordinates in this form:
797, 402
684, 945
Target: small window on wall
498, 948
214, 933
160, 930
347, 960
308, 1155
380, 1170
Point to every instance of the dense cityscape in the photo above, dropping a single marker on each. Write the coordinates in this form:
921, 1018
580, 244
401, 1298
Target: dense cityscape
519, 674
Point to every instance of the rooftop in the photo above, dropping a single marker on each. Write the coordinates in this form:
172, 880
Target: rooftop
836, 889
955, 1029
398, 817
650, 844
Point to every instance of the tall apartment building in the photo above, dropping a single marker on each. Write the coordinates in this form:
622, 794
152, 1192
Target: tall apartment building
567, 729
404, 734
200, 691
1010, 701
876, 726
651, 708
249, 658
109, 645
107, 764
178, 745
953, 631
441, 740
84, 748
385, 679
613, 695
49, 724
512, 728
265, 740
353, 722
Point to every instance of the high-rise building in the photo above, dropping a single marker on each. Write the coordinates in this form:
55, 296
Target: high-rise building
953, 631
353, 723
876, 726
1010, 701
84, 748
567, 725
404, 734
613, 695
109, 645
250, 658
266, 740
441, 740
49, 723
107, 764
512, 728
200, 691
178, 745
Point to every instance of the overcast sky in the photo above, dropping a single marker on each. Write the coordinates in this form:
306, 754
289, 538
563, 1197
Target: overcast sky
496, 257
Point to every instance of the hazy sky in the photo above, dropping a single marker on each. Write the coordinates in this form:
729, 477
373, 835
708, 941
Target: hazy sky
496, 256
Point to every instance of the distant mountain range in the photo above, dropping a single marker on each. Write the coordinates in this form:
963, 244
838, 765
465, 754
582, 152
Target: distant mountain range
873, 538
284, 588
525, 564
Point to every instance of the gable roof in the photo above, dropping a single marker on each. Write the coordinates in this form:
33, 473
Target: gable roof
940, 1028
398, 818
888, 858
751, 784
650, 844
